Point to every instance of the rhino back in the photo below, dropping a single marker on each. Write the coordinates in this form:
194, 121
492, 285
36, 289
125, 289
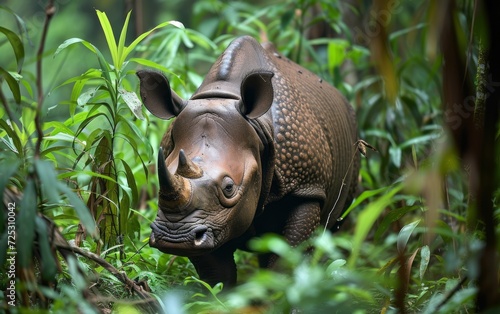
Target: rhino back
314, 126
315, 129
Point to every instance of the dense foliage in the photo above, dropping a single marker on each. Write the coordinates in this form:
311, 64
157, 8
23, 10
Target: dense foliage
77, 162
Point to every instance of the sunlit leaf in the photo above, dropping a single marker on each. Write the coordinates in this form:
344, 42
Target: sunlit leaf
133, 102
12, 136
72, 41
86, 96
154, 65
365, 195
132, 46
425, 256
121, 42
395, 153
110, 37
367, 218
336, 52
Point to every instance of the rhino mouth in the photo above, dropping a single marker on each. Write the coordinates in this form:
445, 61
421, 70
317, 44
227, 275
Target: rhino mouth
182, 239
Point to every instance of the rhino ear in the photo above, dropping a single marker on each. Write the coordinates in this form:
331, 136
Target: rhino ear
256, 94
157, 95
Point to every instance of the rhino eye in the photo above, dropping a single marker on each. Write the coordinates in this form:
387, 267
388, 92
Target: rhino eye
228, 187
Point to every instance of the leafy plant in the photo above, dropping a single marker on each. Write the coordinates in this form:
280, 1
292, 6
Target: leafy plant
110, 143
29, 184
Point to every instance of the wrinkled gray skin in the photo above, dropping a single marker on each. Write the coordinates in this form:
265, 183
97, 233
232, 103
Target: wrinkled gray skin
262, 146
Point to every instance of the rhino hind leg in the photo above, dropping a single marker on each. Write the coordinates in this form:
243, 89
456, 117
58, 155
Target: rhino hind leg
217, 266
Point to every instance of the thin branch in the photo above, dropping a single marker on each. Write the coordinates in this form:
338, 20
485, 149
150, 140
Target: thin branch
50, 10
451, 293
121, 276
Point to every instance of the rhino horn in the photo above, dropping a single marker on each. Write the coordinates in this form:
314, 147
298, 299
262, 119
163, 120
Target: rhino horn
187, 168
175, 190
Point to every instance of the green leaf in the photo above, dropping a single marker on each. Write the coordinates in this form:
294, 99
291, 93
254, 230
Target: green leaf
367, 218
8, 167
404, 235
395, 153
365, 195
13, 85
132, 46
425, 256
14, 137
87, 95
17, 46
69, 174
48, 180
133, 102
154, 65
131, 181
123, 214
121, 42
80, 208
336, 52
72, 41
48, 265
420, 140
19, 21
391, 217
110, 37
25, 224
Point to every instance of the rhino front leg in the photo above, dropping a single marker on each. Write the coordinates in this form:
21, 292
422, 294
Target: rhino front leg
215, 267
301, 222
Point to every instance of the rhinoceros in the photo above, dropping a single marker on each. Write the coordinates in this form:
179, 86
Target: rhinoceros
263, 146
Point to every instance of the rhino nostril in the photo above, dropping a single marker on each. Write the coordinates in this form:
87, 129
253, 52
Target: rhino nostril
200, 235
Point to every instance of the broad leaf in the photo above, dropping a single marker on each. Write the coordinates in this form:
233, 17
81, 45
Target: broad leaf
25, 224
80, 208
72, 41
404, 235
425, 255
48, 180
17, 46
132, 102
48, 263
13, 85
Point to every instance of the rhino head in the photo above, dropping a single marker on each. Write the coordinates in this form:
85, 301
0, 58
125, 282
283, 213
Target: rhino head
209, 170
